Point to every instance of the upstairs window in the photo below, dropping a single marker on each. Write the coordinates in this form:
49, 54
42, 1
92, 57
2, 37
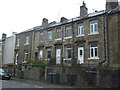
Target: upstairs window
49, 35
68, 32
41, 36
94, 50
94, 27
26, 40
80, 29
17, 42
58, 33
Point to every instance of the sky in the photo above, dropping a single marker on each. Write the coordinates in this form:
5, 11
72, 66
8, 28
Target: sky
21, 15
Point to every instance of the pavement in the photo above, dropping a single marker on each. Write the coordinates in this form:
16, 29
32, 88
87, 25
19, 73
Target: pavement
43, 83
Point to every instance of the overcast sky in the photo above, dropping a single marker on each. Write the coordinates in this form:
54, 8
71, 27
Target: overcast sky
20, 15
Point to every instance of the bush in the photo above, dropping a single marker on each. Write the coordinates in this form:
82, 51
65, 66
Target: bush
41, 64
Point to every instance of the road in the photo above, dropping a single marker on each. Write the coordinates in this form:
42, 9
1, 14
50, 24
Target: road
28, 84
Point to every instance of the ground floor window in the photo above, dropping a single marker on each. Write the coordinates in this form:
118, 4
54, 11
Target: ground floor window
48, 54
25, 56
94, 50
68, 52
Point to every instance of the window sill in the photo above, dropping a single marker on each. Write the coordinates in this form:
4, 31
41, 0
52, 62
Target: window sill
93, 58
68, 37
24, 62
93, 33
58, 39
17, 45
67, 59
80, 35
26, 44
41, 41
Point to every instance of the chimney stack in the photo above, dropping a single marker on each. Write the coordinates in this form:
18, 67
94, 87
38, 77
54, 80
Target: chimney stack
111, 4
45, 22
63, 19
83, 10
4, 36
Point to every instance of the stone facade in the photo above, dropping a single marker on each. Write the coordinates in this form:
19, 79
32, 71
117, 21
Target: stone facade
22, 47
88, 43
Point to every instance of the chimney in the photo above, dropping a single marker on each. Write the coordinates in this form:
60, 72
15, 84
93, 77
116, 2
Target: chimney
14, 33
111, 4
63, 19
45, 22
83, 10
4, 36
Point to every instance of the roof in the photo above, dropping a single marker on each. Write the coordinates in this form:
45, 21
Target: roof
70, 20
37, 28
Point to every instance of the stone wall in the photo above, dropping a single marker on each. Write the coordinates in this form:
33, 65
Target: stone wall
109, 78
105, 78
34, 73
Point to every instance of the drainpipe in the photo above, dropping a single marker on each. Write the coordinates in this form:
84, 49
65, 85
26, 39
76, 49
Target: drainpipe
73, 53
106, 41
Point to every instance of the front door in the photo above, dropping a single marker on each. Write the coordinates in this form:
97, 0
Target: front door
58, 56
80, 55
16, 59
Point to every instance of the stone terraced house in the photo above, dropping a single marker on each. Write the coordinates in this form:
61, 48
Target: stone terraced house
84, 44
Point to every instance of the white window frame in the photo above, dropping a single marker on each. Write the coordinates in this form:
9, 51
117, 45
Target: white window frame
80, 30
27, 40
18, 42
41, 35
49, 35
93, 48
94, 27
68, 29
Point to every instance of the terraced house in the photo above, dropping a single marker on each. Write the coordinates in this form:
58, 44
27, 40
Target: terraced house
81, 45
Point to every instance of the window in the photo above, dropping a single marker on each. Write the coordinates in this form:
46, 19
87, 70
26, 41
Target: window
94, 50
49, 35
48, 52
40, 53
80, 29
41, 36
58, 33
25, 56
94, 27
68, 31
68, 52
0, 45
18, 41
26, 40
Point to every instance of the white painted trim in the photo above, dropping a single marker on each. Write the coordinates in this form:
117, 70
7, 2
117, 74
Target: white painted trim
80, 35
94, 33
68, 37
93, 58
58, 39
